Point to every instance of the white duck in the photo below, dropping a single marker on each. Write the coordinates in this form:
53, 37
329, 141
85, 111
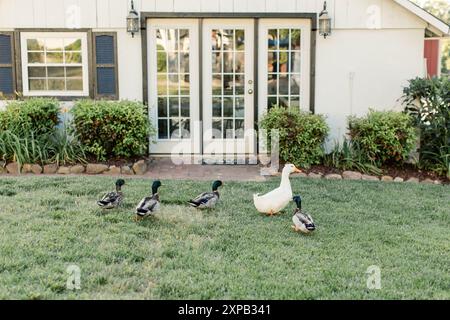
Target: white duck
276, 200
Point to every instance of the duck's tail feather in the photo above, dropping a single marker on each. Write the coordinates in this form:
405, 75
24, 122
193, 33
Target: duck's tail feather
141, 212
193, 203
102, 203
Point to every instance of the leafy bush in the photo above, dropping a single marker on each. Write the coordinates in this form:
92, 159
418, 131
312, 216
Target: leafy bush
37, 115
301, 135
428, 102
112, 129
383, 136
350, 156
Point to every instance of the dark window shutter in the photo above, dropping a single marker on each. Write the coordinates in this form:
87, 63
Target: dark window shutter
7, 86
106, 81
106, 65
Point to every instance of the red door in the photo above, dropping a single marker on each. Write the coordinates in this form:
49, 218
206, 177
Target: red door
432, 55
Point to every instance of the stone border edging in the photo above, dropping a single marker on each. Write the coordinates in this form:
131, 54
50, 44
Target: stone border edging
138, 168
354, 175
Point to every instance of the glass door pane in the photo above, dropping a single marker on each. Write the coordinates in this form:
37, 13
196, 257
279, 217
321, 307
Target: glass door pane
173, 85
283, 66
228, 82
173, 94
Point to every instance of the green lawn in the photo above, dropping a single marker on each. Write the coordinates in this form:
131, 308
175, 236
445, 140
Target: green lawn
232, 252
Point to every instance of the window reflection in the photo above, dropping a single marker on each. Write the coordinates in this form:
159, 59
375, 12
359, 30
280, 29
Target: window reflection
228, 81
173, 83
283, 65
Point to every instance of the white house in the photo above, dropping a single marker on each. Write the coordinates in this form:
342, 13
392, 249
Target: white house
216, 64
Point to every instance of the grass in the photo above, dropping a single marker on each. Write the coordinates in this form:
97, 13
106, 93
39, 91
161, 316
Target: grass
232, 252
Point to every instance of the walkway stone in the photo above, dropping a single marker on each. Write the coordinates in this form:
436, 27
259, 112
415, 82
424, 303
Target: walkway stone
387, 178
398, 179
164, 168
369, 178
351, 175
428, 181
333, 176
268, 171
95, 168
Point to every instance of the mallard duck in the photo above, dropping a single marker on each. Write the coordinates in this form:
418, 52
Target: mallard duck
276, 200
207, 199
149, 205
303, 222
112, 199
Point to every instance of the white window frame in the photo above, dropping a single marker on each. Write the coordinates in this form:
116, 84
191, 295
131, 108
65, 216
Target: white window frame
305, 59
24, 36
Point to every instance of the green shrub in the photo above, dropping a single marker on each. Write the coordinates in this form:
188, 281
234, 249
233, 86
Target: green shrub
383, 136
301, 135
428, 102
112, 129
37, 115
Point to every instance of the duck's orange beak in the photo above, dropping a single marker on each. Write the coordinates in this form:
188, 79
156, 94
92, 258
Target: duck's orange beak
297, 170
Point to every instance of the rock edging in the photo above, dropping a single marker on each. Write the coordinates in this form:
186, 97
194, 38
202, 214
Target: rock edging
138, 168
354, 175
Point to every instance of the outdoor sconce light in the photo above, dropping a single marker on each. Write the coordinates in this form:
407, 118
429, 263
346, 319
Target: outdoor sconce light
132, 21
324, 22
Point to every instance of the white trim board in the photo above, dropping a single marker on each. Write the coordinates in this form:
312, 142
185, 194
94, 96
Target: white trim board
434, 22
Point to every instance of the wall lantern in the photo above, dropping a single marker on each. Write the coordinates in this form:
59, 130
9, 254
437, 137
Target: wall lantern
324, 22
132, 21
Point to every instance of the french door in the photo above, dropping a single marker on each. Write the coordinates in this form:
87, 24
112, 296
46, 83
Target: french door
174, 85
228, 87
202, 84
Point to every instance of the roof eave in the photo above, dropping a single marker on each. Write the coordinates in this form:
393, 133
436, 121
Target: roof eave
435, 25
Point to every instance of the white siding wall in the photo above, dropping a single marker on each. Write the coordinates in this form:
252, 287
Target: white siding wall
355, 72
375, 47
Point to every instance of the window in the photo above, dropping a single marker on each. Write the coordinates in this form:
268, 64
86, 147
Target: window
54, 64
173, 83
283, 82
